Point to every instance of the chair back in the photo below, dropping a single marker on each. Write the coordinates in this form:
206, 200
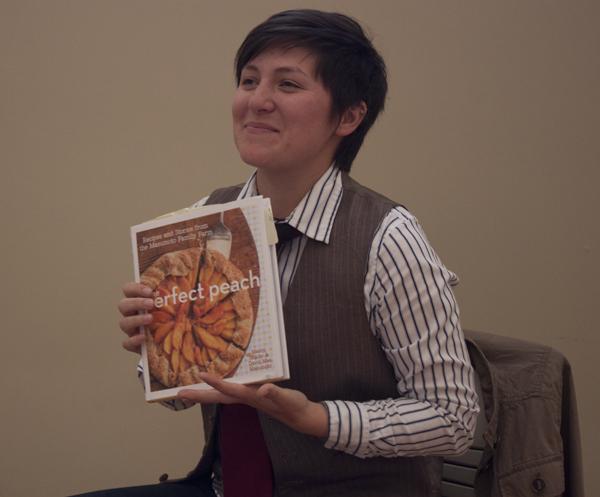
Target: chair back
458, 473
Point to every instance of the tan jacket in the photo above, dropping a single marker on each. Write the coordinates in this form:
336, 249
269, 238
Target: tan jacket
532, 440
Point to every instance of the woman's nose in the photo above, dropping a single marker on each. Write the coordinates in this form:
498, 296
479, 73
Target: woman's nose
261, 99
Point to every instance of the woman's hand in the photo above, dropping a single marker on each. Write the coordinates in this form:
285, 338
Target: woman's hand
137, 298
291, 407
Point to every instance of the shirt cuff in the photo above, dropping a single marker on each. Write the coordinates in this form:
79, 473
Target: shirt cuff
348, 427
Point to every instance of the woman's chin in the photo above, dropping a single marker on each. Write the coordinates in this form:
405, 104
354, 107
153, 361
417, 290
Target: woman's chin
260, 161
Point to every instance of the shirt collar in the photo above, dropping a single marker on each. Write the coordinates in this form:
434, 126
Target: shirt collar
315, 213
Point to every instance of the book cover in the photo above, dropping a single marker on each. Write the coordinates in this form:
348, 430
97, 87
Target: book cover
217, 303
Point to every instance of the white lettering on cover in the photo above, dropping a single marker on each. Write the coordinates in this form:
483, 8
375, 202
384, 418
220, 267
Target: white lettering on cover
213, 291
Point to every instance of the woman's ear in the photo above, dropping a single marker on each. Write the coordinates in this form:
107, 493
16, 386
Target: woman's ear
351, 119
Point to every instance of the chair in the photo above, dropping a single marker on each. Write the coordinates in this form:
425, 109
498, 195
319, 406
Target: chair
458, 473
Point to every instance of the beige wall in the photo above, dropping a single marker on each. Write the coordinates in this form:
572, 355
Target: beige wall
112, 112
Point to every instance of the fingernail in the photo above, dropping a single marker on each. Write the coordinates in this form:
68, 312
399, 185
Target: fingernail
147, 292
149, 304
148, 318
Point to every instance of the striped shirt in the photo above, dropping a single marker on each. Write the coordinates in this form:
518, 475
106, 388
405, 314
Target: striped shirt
413, 314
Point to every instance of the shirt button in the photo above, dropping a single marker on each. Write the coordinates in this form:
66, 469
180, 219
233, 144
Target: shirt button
163, 477
538, 485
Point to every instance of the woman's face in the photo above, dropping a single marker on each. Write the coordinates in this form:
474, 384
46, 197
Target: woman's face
282, 113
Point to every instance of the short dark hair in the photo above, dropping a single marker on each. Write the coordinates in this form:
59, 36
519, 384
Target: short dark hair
347, 64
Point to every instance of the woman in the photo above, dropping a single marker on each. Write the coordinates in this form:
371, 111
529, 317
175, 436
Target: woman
380, 378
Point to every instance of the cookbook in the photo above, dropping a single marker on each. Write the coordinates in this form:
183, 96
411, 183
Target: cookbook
217, 302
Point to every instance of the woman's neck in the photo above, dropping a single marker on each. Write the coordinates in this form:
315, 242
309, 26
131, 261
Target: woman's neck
285, 188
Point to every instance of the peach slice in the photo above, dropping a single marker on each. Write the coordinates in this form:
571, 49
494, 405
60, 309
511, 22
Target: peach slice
212, 342
188, 347
162, 331
168, 344
175, 360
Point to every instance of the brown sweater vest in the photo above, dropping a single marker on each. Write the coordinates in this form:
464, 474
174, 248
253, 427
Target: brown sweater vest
333, 356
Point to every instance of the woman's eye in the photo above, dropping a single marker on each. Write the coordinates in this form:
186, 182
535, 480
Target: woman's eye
247, 82
289, 84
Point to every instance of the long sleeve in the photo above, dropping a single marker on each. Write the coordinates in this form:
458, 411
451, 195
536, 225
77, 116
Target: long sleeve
414, 316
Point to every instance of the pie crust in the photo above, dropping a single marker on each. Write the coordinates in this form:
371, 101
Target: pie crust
207, 332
